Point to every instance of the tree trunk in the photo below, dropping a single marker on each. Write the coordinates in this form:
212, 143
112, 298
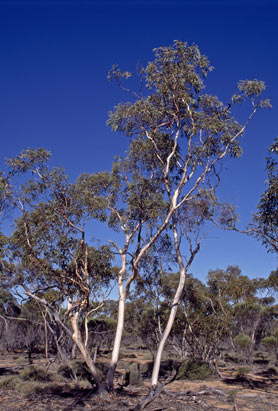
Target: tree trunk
183, 270
73, 352
117, 342
168, 329
85, 354
45, 337
30, 361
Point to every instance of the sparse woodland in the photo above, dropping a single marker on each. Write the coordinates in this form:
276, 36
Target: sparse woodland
161, 199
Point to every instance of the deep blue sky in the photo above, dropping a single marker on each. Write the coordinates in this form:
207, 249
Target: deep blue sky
55, 56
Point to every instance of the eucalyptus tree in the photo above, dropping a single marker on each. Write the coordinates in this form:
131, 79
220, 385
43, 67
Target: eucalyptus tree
190, 226
135, 207
49, 248
184, 134
265, 221
245, 303
4, 207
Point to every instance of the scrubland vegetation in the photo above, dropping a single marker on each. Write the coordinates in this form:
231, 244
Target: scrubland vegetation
161, 199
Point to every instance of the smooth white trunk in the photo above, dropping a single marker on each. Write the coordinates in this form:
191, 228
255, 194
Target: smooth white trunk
168, 329
84, 352
117, 342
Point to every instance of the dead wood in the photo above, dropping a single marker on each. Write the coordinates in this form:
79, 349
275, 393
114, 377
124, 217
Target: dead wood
154, 393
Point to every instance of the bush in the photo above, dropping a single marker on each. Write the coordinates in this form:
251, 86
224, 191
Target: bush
135, 374
272, 371
31, 381
34, 387
232, 357
242, 372
33, 373
243, 344
77, 370
20, 361
66, 371
82, 385
271, 343
242, 341
193, 370
9, 382
168, 366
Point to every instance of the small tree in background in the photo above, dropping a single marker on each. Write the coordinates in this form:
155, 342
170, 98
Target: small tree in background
271, 343
243, 344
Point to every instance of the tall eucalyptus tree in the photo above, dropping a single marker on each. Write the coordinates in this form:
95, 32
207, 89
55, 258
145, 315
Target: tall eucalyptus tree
184, 134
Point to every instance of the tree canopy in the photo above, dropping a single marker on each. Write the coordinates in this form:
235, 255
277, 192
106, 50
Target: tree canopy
160, 197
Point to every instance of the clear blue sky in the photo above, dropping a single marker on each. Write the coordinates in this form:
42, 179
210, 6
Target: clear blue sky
55, 56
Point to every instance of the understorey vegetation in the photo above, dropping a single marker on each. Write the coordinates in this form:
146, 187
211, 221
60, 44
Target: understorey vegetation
159, 201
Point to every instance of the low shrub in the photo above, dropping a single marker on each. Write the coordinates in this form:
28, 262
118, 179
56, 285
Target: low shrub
9, 382
75, 370
34, 373
34, 387
66, 371
82, 385
242, 372
193, 370
232, 357
20, 361
272, 371
243, 345
135, 377
78, 370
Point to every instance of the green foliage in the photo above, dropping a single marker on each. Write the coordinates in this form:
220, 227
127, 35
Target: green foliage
66, 371
35, 373
178, 135
242, 341
193, 370
242, 372
10, 382
243, 344
271, 342
76, 370
232, 357
28, 159
135, 377
33, 387
230, 284
265, 221
32, 380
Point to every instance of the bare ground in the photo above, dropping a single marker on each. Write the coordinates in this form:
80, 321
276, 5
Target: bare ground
257, 391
